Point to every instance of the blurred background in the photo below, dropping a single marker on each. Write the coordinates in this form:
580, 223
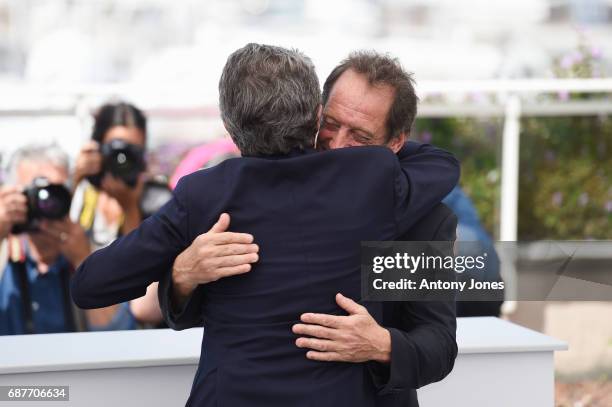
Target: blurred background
520, 85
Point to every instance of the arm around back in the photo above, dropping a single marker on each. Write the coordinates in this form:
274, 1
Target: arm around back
123, 270
424, 176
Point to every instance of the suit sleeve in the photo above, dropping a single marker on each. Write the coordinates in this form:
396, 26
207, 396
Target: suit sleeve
423, 338
425, 175
123, 270
189, 316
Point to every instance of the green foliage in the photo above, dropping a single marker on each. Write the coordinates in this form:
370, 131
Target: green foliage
565, 175
565, 178
476, 143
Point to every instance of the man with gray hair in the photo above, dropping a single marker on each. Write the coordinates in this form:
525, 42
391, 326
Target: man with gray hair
41, 253
368, 99
308, 210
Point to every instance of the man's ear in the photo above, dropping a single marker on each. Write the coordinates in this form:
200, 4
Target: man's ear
396, 143
319, 115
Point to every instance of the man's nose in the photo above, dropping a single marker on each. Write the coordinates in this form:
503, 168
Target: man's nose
340, 139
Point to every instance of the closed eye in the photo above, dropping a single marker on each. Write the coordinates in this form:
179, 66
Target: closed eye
361, 138
330, 126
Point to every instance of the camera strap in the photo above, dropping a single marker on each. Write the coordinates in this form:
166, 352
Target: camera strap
17, 259
88, 210
65, 273
20, 275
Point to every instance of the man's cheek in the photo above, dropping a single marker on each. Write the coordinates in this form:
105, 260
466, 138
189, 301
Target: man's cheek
324, 139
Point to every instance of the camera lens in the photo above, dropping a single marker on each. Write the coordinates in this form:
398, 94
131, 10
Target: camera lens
123, 160
52, 202
44, 200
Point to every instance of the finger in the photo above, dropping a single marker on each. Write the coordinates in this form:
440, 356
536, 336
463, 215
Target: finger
16, 199
140, 182
93, 165
90, 147
235, 270
58, 226
9, 190
107, 183
17, 217
349, 305
222, 224
44, 238
50, 225
330, 321
322, 345
325, 356
231, 261
317, 331
230, 237
232, 249
48, 232
17, 208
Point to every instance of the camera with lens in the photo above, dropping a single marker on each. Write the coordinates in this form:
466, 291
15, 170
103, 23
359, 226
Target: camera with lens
44, 201
121, 159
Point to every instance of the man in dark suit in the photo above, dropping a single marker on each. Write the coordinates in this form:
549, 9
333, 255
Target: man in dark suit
419, 346
308, 210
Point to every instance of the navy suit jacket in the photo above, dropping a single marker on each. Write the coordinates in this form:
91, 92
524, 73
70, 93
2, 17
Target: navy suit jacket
309, 212
423, 333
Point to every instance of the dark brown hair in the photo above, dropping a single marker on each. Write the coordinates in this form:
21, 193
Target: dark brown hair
117, 114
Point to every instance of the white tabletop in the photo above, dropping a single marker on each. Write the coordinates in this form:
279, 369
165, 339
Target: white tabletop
97, 350
162, 347
494, 335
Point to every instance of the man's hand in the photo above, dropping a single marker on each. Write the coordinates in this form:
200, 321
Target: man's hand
13, 209
88, 162
353, 338
128, 198
73, 242
212, 255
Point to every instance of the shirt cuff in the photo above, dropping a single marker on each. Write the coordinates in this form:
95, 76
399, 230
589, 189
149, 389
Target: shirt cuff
187, 316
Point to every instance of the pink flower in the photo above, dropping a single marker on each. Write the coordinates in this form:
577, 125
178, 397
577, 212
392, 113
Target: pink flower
567, 61
578, 57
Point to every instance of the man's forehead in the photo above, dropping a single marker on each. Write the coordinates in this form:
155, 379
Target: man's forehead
28, 170
354, 98
354, 83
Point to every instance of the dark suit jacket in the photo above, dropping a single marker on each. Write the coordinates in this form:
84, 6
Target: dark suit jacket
309, 211
423, 334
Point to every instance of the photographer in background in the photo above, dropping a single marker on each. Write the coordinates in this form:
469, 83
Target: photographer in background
41, 249
111, 193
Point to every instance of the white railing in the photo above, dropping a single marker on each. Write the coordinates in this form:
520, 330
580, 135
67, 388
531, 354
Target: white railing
510, 99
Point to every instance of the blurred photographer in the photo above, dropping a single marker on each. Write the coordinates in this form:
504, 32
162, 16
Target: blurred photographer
112, 194
42, 247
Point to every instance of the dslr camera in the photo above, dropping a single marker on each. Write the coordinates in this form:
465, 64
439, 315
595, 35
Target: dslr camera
121, 159
44, 201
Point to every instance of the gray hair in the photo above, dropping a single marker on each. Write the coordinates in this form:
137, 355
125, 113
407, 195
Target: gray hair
38, 153
269, 98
